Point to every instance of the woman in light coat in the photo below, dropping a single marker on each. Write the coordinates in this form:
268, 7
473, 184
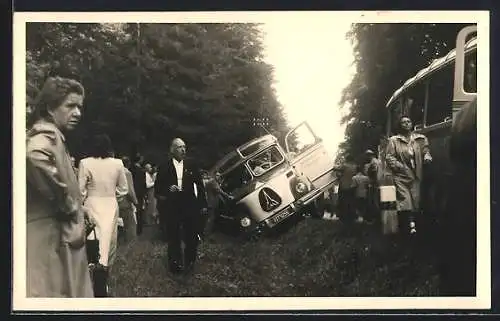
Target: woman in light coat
405, 155
56, 258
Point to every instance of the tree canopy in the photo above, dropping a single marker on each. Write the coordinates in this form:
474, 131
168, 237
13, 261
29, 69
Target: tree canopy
385, 56
147, 83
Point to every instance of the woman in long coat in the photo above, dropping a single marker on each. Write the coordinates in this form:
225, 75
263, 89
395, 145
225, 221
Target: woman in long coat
405, 155
57, 263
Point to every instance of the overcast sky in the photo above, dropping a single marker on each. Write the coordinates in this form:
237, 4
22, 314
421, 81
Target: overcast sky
313, 63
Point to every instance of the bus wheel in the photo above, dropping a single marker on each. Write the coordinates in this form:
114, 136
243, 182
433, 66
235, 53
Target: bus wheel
255, 237
314, 210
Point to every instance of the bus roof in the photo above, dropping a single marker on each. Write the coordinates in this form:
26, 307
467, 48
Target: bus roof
234, 157
435, 65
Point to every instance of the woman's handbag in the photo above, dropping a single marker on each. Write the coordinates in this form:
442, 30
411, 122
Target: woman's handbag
388, 206
92, 246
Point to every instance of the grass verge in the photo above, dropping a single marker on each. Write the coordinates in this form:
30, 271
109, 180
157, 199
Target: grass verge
312, 258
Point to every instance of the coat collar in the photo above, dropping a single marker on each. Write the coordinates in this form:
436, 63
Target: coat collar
44, 125
413, 136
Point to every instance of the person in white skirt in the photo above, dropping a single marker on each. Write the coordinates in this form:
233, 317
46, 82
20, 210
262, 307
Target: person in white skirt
102, 179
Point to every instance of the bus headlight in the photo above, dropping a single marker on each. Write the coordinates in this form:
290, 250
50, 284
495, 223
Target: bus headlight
301, 187
245, 222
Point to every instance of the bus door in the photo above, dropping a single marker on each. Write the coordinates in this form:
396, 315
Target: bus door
309, 156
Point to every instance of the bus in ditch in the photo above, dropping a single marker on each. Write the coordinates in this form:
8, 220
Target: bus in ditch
431, 98
270, 183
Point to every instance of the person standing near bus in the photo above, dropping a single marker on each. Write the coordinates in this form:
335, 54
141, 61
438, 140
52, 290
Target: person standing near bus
217, 199
347, 196
405, 155
373, 169
360, 183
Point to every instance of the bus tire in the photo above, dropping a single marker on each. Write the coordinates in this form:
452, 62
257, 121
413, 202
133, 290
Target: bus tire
314, 210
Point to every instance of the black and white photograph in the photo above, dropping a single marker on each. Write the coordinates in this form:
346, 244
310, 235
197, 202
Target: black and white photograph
273, 160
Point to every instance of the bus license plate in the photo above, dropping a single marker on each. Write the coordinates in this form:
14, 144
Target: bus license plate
281, 216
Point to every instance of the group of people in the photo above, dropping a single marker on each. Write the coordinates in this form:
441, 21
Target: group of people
141, 205
357, 199
70, 207
405, 156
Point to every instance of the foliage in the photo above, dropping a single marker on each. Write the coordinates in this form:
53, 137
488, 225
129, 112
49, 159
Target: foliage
386, 55
147, 83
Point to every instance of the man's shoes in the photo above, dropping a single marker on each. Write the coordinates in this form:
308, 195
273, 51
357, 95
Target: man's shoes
175, 268
189, 269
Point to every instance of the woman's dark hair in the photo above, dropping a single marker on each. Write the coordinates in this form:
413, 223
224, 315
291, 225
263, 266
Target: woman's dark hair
52, 95
138, 158
400, 128
100, 146
349, 158
126, 162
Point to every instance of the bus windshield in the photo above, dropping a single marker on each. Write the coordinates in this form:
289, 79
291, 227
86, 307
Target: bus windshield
265, 161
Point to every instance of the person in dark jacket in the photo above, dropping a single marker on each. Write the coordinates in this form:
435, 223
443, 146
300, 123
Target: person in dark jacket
139, 180
182, 204
458, 257
347, 196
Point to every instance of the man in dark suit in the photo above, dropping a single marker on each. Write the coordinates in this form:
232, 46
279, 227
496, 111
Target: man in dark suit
182, 203
139, 179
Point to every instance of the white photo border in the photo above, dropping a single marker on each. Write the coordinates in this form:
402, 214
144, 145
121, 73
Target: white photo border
483, 297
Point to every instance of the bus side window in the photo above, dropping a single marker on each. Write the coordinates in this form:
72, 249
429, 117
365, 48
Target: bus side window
416, 109
396, 112
439, 104
470, 72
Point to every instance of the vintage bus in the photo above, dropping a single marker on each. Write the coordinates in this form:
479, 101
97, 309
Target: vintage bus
270, 184
431, 98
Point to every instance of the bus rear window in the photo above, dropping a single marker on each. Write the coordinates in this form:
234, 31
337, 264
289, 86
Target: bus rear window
470, 73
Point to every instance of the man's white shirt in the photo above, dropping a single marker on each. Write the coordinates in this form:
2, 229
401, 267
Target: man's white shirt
179, 169
149, 180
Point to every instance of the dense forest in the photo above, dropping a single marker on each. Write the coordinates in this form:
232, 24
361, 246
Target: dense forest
385, 56
147, 83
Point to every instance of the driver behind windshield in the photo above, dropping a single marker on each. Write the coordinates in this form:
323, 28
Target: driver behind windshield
263, 163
